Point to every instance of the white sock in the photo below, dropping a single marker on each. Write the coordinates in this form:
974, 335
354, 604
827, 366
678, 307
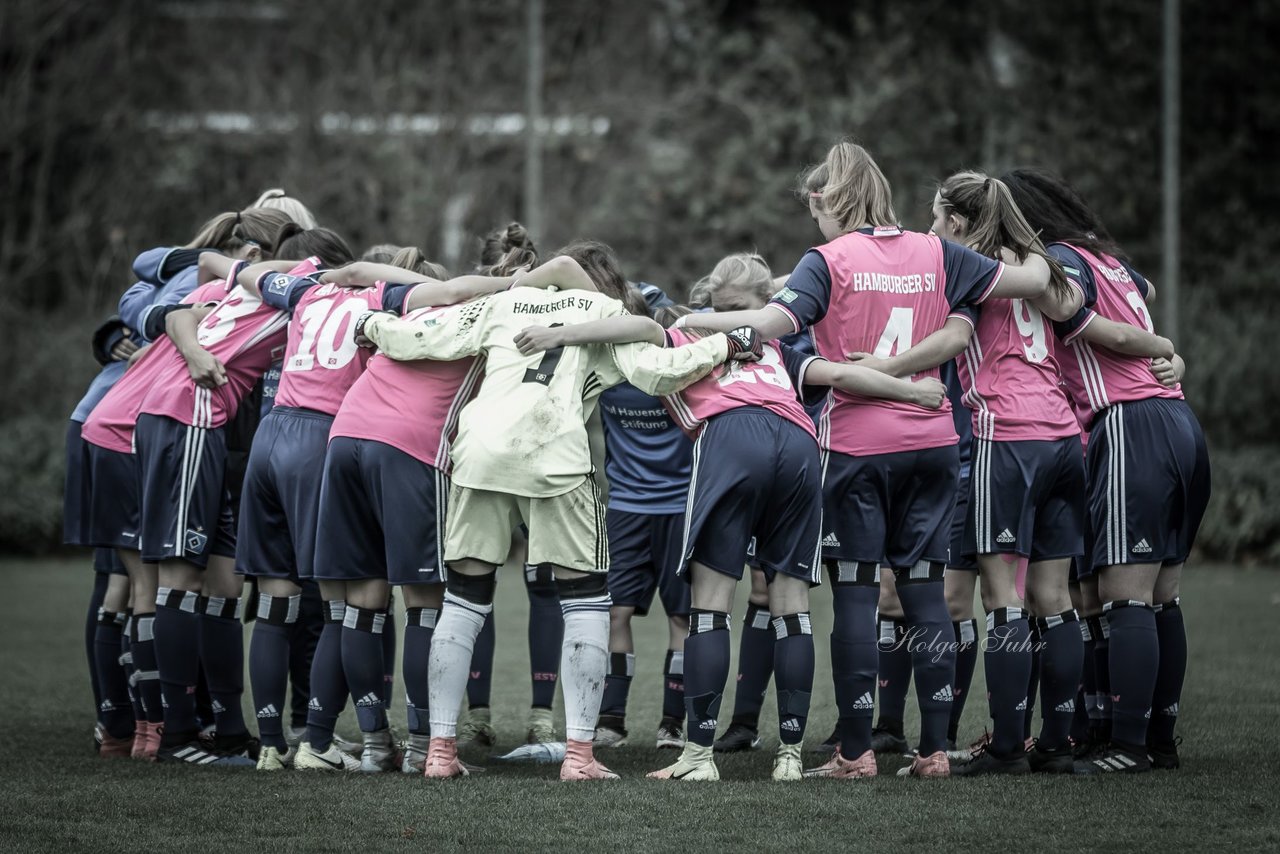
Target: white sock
451, 647
584, 661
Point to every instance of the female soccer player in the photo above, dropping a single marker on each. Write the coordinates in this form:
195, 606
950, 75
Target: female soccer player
1143, 527
522, 455
102, 494
186, 521
381, 507
756, 474
1026, 493
890, 474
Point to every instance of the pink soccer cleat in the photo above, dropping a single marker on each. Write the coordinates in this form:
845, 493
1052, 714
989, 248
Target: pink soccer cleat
839, 768
442, 760
580, 764
140, 730
115, 748
936, 764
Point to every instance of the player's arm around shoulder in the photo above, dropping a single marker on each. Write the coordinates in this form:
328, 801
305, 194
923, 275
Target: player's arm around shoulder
453, 333
666, 370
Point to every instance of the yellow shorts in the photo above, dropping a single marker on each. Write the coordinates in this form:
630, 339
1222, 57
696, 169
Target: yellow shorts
566, 530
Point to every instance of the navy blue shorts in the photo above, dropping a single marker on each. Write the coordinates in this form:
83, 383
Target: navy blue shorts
281, 497
1026, 498
382, 515
956, 558
112, 520
75, 487
186, 509
755, 474
1153, 516
644, 558
892, 509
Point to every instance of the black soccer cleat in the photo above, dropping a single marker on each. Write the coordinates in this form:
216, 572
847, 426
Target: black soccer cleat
737, 737
985, 762
886, 740
1060, 761
1115, 759
195, 753
1164, 757
242, 745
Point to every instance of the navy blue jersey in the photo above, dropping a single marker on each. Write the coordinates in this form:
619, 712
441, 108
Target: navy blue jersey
647, 456
961, 416
654, 296
1080, 273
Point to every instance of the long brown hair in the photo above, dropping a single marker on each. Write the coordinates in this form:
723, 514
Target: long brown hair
228, 232
852, 189
411, 258
995, 222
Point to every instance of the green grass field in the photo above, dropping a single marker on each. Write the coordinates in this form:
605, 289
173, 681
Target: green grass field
55, 794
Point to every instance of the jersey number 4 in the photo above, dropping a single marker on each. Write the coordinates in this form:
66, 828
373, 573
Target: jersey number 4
546, 369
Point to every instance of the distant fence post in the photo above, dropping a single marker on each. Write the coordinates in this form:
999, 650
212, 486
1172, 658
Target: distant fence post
533, 121
1168, 287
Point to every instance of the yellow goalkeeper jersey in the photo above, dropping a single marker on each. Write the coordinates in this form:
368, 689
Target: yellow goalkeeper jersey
524, 432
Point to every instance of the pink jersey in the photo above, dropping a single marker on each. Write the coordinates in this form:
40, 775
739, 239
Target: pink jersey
770, 383
246, 335
889, 289
411, 406
110, 424
321, 359
1100, 377
1010, 376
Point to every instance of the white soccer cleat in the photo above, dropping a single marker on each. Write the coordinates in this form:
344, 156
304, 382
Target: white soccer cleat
415, 753
696, 764
379, 752
294, 735
608, 736
541, 729
787, 766
271, 759
670, 735
347, 746
308, 758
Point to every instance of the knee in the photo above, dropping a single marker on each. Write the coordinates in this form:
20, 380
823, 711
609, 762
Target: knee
476, 589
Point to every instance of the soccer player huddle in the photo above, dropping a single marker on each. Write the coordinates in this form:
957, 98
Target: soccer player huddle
922, 416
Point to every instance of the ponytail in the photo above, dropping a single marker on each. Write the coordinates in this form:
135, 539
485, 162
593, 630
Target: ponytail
855, 193
294, 242
411, 258
995, 222
228, 232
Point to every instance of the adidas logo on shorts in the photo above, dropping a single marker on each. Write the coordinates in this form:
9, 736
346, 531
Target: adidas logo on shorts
369, 700
1006, 537
865, 702
268, 711
1068, 706
944, 695
314, 705
830, 541
1021, 707
1141, 548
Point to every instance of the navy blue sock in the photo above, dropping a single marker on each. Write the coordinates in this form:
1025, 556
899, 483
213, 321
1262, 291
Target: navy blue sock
617, 684
304, 634
793, 674
1008, 665
146, 673
269, 664
854, 657
1033, 680
1102, 672
419, 626
388, 661
706, 655
222, 655
546, 634
328, 680
362, 662
755, 665
1085, 698
480, 682
965, 633
1061, 658
894, 678
115, 711
1172, 635
96, 598
1135, 663
673, 685
933, 652
177, 651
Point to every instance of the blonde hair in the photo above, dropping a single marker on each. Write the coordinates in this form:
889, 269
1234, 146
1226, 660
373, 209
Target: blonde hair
228, 232
994, 221
411, 258
740, 270
276, 199
851, 189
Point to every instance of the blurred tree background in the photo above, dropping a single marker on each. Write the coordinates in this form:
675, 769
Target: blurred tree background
674, 130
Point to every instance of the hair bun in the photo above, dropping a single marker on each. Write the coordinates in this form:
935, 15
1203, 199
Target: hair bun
516, 236
289, 229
